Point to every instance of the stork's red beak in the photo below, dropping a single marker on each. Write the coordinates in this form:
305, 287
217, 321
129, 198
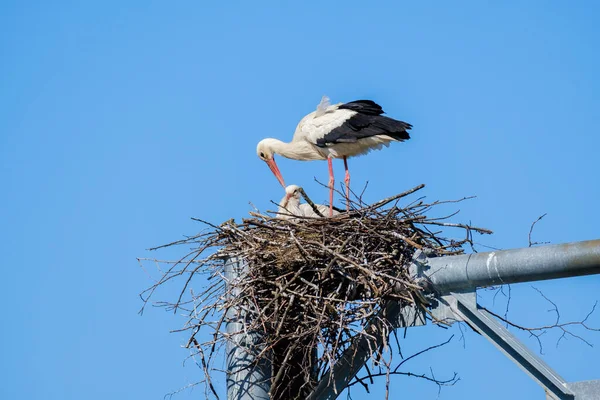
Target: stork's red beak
271, 163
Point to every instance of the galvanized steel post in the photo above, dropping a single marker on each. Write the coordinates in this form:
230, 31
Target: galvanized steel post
246, 378
471, 271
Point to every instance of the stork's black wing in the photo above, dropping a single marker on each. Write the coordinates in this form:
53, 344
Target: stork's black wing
367, 122
368, 107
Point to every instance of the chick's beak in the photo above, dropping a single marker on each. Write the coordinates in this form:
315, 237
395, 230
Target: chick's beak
275, 170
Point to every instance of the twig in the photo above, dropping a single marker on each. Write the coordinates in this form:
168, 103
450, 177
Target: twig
531, 231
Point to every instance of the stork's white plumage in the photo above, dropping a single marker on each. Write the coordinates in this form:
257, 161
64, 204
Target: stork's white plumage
290, 205
336, 131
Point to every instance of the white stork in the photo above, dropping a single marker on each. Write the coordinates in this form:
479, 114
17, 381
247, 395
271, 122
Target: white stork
336, 131
290, 205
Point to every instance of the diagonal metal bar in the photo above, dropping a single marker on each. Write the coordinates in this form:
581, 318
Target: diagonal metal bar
466, 308
355, 357
391, 316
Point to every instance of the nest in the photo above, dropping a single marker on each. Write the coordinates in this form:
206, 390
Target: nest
309, 286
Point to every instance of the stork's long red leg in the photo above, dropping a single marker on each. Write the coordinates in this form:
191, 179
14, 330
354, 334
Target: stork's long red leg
331, 182
347, 180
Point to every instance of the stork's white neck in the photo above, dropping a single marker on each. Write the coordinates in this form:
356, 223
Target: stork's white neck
296, 150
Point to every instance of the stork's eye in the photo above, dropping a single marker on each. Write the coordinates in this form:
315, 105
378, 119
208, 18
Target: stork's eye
262, 155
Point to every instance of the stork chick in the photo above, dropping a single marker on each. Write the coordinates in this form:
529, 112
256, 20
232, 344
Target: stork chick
290, 205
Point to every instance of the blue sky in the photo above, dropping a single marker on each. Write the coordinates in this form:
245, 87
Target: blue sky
121, 120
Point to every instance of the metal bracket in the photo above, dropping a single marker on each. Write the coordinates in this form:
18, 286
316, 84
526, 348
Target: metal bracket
409, 316
462, 306
584, 390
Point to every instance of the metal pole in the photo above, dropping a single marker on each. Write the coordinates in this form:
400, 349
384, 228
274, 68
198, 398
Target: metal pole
246, 379
466, 308
470, 271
